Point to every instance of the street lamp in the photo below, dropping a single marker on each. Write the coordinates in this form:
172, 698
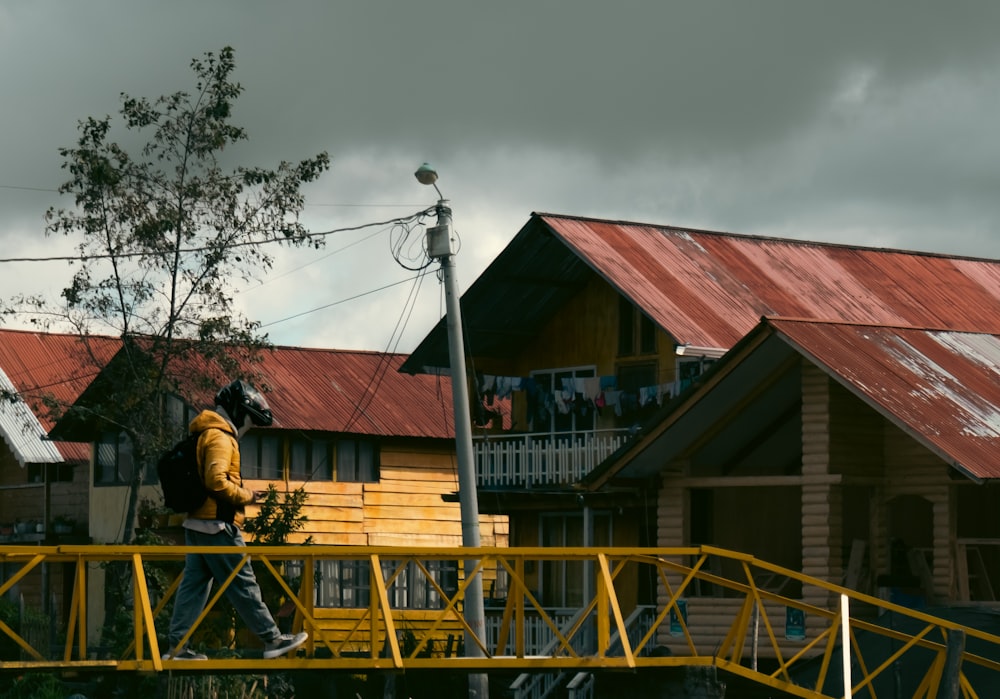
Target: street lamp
439, 248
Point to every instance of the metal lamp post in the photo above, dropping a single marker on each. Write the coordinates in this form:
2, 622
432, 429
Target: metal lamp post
439, 248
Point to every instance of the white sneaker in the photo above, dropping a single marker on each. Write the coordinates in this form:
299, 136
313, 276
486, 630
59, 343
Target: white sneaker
283, 644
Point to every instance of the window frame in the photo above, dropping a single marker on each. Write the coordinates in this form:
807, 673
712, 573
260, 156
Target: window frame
549, 381
118, 446
636, 330
347, 583
373, 469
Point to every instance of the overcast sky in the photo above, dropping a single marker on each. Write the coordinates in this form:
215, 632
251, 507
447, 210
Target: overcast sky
870, 123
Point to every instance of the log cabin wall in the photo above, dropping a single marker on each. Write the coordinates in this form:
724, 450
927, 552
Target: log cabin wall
916, 509
884, 486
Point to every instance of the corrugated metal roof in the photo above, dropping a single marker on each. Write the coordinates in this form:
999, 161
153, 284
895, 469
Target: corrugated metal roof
21, 430
310, 389
39, 366
709, 289
940, 386
355, 392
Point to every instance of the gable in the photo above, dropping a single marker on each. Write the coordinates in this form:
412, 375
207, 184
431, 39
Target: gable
42, 367
708, 289
21, 430
940, 387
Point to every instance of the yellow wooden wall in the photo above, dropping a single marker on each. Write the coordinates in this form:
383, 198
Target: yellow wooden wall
404, 508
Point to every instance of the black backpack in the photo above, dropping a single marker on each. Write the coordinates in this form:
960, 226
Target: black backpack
182, 484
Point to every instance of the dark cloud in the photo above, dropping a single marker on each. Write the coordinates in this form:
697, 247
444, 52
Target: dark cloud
859, 122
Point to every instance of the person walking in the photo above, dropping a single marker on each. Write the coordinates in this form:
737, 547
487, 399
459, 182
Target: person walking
218, 522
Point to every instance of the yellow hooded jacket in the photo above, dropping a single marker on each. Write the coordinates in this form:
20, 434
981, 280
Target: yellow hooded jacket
219, 460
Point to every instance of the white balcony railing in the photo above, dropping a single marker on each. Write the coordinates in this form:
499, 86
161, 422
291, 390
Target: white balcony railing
543, 459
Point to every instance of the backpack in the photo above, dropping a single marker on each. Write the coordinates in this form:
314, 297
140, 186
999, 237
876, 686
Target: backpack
181, 481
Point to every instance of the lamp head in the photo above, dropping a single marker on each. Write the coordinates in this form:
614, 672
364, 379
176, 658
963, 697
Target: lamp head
425, 174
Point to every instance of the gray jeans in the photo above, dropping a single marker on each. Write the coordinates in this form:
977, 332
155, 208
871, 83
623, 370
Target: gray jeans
201, 569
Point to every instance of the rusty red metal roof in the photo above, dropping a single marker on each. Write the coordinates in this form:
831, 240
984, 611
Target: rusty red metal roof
355, 392
940, 386
710, 289
41, 366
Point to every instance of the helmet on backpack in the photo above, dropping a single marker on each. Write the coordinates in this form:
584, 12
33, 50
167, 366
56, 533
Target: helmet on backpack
240, 399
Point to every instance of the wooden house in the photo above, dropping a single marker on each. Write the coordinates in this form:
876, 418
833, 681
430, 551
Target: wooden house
858, 454
603, 336
373, 448
44, 485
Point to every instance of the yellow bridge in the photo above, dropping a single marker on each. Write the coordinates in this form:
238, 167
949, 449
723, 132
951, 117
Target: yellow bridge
643, 608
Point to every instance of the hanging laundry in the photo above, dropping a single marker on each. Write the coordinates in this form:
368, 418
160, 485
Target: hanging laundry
503, 386
663, 393
562, 405
568, 389
613, 400
646, 394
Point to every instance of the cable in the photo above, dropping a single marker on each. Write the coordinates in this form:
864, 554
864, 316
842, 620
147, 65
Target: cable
28, 189
335, 303
383, 366
415, 217
272, 278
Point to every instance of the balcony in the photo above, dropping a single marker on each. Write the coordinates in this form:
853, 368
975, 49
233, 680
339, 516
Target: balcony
529, 460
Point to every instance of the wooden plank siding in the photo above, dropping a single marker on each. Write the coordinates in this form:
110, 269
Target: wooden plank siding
564, 341
404, 507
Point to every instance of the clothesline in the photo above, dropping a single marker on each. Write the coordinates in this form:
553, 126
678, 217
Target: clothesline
600, 391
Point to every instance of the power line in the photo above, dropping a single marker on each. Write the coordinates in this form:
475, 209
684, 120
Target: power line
336, 303
28, 189
403, 220
346, 205
313, 261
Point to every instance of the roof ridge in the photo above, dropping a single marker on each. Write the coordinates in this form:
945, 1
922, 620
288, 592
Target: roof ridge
867, 324
772, 238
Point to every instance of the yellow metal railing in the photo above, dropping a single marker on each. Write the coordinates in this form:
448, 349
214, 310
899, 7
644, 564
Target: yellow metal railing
737, 629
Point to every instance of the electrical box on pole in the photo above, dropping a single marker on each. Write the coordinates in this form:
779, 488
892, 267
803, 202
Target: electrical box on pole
438, 241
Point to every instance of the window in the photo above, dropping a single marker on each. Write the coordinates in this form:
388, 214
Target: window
260, 457
57, 473
690, 369
113, 461
561, 582
636, 332
560, 406
632, 377
310, 459
179, 413
357, 461
348, 584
